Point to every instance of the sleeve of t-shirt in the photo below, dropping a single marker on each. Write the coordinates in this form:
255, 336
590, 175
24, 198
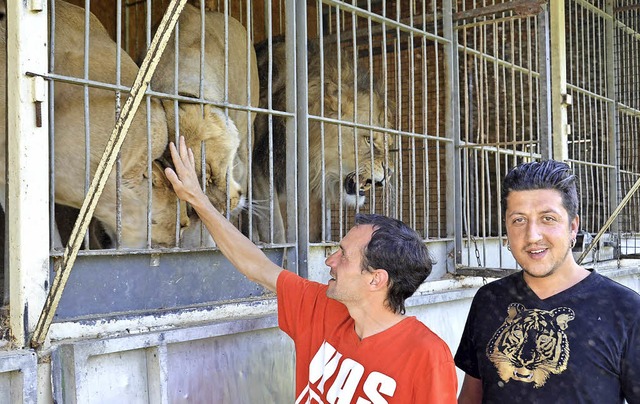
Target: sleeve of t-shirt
439, 384
298, 299
466, 358
630, 369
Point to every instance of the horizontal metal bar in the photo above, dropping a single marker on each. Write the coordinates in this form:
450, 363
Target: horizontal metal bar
385, 20
377, 128
499, 62
515, 5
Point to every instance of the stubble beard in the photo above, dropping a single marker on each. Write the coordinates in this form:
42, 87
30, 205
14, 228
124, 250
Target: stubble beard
557, 264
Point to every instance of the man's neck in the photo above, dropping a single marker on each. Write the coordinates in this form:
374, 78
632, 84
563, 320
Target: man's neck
559, 281
370, 322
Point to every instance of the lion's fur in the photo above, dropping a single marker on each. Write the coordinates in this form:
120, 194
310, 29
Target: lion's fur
218, 134
222, 141
223, 134
339, 93
69, 143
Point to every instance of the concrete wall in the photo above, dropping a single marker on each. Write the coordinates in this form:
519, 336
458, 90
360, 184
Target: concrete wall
241, 359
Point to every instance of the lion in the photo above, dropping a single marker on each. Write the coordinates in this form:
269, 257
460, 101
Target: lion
226, 143
342, 177
69, 139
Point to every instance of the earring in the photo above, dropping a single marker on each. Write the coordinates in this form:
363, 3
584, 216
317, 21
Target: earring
573, 242
508, 246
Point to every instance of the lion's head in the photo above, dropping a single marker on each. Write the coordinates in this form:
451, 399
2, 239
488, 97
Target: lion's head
205, 77
348, 146
215, 137
353, 157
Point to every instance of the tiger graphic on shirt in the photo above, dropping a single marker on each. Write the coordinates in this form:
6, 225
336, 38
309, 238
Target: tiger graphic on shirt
531, 344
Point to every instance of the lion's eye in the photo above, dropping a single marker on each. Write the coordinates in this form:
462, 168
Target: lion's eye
367, 140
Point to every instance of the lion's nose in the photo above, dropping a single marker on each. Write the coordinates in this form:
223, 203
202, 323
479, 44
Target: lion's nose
388, 173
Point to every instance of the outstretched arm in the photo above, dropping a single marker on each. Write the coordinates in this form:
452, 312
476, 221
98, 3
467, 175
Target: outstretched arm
238, 249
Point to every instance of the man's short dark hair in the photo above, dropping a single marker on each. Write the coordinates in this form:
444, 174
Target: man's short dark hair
398, 249
548, 174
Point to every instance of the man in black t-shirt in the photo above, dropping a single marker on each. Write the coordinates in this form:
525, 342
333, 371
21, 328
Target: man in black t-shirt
553, 332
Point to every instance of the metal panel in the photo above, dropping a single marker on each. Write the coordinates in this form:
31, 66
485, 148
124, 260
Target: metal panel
18, 377
252, 367
221, 363
104, 285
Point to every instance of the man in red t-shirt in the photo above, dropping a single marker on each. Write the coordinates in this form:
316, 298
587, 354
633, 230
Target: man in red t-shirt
354, 343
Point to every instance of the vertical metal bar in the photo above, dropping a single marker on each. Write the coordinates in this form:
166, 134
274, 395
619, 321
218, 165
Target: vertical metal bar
388, 189
227, 11
558, 79
544, 68
325, 221
398, 75
354, 61
54, 239
438, 159
117, 116
340, 20
87, 112
611, 47
249, 129
370, 106
452, 120
412, 125
269, 33
297, 98
425, 126
148, 27
27, 209
176, 120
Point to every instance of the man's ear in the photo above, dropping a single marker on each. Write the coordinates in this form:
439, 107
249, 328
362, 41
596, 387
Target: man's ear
575, 225
380, 278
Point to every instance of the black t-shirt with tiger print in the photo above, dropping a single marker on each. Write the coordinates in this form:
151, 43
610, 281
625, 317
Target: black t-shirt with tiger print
579, 346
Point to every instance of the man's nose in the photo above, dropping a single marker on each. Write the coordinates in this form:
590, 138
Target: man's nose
329, 259
533, 232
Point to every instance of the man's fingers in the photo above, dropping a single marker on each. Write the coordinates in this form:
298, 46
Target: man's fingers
174, 154
171, 176
183, 148
192, 158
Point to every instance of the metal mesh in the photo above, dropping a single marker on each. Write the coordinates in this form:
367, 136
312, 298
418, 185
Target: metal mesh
500, 117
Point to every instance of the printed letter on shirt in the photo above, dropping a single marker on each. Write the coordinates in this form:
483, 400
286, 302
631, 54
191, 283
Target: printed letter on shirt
343, 388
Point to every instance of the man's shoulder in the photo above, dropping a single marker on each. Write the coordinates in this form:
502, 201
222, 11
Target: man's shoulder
425, 344
615, 292
292, 280
421, 334
292, 286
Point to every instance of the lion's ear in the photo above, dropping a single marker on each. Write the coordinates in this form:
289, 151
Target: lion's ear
157, 174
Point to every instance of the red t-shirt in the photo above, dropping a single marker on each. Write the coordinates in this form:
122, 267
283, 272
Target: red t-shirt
406, 363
